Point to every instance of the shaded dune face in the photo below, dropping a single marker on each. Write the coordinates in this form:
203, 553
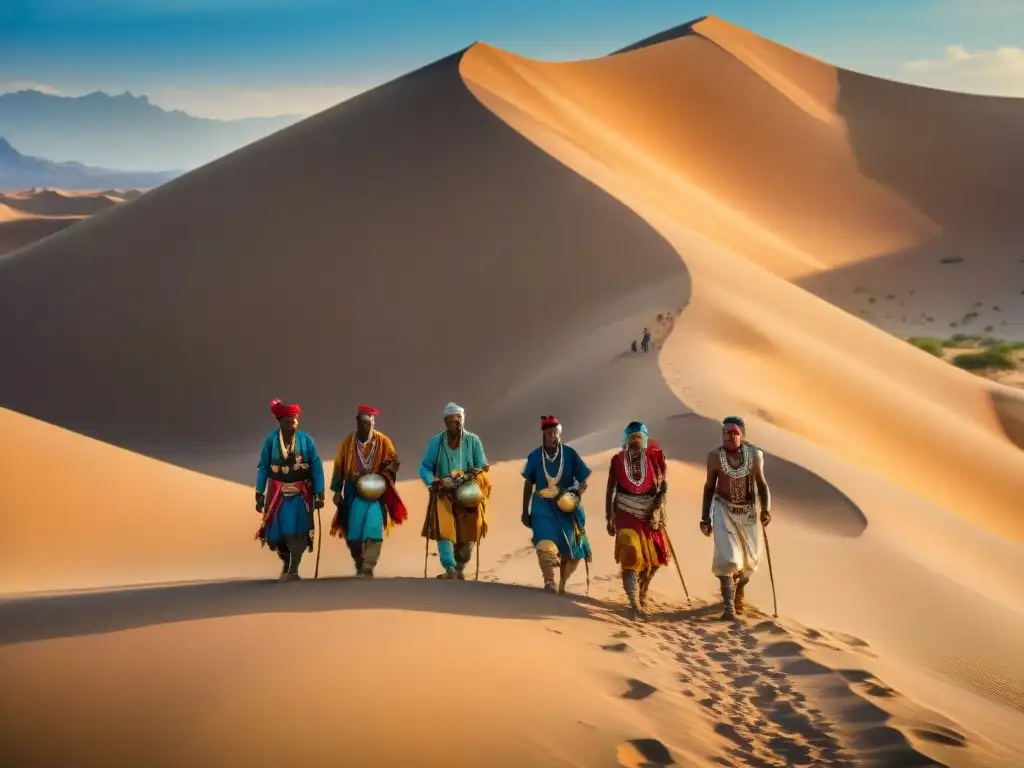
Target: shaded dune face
405, 248
21, 232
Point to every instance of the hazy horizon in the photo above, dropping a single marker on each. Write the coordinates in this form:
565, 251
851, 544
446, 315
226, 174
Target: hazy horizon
232, 59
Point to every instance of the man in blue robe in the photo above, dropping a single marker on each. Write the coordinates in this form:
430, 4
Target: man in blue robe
289, 485
453, 456
553, 471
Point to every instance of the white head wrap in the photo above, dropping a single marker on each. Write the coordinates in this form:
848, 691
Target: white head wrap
454, 409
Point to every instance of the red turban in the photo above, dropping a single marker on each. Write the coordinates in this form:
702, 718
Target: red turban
367, 410
547, 422
280, 410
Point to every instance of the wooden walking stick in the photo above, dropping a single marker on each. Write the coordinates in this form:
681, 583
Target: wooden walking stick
771, 575
319, 538
430, 529
679, 569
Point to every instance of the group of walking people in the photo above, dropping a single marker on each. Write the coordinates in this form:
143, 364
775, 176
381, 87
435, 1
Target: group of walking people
290, 485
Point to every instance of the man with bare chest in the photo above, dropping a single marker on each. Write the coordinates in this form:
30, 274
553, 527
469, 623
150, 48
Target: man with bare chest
735, 482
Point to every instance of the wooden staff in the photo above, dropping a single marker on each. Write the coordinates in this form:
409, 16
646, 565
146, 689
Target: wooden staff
771, 575
679, 569
319, 538
431, 508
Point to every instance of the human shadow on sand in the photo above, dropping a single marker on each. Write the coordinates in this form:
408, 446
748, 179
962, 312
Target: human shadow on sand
38, 618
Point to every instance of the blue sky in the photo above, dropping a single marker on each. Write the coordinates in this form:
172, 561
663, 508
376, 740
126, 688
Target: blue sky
232, 58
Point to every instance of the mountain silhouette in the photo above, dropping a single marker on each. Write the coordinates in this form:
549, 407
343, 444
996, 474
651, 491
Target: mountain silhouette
123, 131
18, 172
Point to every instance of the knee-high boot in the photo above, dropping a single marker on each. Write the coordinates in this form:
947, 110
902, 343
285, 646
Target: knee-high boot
629, 583
728, 597
547, 557
566, 570
282, 553
645, 584
738, 601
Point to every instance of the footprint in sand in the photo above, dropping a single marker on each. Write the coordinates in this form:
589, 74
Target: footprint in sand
638, 689
729, 731
783, 649
643, 753
804, 666
869, 684
744, 681
791, 751
938, 734
615, 647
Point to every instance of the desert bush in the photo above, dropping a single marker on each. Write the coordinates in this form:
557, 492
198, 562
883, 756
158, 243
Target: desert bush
962, 340
996, 358
927, 344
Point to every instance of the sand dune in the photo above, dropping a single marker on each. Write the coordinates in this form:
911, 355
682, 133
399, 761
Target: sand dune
26, 217
525, 219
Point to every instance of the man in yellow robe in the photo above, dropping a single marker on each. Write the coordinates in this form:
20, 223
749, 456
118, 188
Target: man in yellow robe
364, 522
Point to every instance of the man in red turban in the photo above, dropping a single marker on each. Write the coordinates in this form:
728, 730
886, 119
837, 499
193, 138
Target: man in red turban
365, 521
289, 486
554, 470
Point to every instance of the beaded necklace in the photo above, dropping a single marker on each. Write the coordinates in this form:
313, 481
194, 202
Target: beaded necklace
560, 458
743, 469
627, 464
366, 462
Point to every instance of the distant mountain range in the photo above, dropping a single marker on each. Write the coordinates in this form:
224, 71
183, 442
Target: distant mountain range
123, 131
19, 172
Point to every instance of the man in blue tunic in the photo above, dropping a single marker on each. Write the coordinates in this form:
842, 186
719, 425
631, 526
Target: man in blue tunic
452, 457
289, 485
553, 471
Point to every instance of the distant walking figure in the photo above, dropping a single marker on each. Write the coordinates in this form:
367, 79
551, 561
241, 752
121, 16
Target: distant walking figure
633, 346
645, 340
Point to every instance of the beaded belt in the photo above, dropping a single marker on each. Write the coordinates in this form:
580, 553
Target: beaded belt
734, 506
291, 489
638, 506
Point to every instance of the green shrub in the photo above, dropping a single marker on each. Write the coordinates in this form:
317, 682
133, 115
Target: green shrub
996, 358
961, 340
927, 344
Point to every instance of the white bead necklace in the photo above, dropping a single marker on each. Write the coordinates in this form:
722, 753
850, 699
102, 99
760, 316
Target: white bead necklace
626, 464
552, 481
366, 463
743, 469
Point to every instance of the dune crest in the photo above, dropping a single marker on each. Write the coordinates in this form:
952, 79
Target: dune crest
759, 328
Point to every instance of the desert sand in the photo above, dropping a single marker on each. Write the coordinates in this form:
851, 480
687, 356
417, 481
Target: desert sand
26, 217
532, 216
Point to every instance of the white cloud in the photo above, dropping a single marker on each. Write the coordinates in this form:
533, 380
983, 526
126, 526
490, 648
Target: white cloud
13, 86
223, 102
997, 72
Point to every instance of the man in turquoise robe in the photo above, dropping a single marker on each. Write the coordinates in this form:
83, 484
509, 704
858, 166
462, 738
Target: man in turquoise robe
289, 486
560, 538
453, 450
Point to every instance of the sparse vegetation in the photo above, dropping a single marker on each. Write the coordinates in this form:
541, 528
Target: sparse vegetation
984, 355
929, 345
998, 358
